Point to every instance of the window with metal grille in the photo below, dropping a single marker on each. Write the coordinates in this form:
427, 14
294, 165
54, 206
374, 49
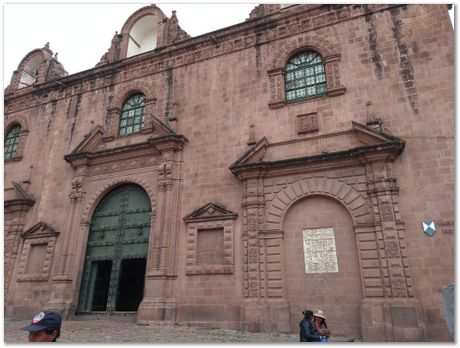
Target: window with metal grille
12, 142
305, 76
132, 115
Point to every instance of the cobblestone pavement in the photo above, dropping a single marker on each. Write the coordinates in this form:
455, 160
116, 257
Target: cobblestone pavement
89, 331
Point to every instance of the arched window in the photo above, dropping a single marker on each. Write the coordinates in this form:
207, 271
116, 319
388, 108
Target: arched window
12, 141
132, 115
305, 76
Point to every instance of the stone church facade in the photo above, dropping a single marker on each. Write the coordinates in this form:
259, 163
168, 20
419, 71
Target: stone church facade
235, 178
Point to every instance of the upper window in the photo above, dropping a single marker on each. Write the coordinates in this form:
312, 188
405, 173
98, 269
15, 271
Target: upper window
132, 115
305, 76
12, 142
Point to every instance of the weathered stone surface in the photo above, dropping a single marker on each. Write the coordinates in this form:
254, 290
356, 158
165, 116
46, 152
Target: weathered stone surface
372, 158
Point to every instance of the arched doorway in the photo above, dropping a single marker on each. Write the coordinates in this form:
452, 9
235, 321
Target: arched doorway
116, 252
321, 264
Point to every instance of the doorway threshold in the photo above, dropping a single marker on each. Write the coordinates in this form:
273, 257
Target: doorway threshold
114, 316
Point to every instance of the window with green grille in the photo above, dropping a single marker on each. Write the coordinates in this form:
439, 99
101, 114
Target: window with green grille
132, 115
12, 142
304, 76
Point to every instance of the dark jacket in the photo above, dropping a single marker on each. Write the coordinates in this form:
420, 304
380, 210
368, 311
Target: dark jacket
307, 332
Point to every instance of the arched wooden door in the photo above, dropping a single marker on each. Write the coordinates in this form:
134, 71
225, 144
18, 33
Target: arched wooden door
116, 252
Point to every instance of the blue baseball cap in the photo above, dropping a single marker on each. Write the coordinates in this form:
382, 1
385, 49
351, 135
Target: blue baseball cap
44, 320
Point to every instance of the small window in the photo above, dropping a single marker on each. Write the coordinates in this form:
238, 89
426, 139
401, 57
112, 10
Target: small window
132, 115
12, 142
305, 76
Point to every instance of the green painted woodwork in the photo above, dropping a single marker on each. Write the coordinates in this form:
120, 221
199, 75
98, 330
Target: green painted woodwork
119, 231
304, 76
132, 115
11, 142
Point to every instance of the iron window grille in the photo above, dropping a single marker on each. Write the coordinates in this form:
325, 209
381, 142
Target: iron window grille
12, 142
132, 115
305, 76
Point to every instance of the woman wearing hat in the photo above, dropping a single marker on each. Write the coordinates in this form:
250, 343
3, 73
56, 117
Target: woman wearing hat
307, 328
320, 324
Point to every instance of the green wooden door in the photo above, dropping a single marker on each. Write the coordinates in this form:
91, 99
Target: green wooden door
116, 253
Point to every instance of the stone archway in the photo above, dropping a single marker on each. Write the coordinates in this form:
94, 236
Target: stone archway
351, 212
321, 265
353, 201
116, 252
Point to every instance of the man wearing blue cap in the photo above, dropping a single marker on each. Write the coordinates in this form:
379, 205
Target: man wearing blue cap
45, 327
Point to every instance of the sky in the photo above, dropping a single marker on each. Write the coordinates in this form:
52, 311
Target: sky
81, 32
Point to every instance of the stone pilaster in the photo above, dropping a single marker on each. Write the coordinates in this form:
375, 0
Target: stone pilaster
149, 111
389, 312
13, 227
159, 304
382, 188
65, 290
276, 77
111, 123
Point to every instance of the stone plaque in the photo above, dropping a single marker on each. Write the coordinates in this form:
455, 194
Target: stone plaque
36, 259
307, 123
210, 247
319, 250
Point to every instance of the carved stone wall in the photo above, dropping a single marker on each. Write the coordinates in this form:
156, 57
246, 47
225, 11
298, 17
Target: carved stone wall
212, 89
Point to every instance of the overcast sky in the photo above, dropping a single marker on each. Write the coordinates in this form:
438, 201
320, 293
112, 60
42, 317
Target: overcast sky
81, 33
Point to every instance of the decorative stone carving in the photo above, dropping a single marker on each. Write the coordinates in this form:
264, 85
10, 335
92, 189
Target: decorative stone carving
77, 188
398, 287
319, 250
276, 88
392, 249
387, 212
120, 166
252, 255
307, 123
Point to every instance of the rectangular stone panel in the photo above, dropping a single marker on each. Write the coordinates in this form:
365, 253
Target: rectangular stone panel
320, 254
36, 258
210, 248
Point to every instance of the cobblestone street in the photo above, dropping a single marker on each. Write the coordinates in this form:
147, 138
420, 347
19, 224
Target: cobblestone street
89, 331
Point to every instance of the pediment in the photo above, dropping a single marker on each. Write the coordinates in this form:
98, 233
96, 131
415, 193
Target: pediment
95, 147
17, 195
344, 146
90, 141
210, 211
161, 129
255, 154
40, 230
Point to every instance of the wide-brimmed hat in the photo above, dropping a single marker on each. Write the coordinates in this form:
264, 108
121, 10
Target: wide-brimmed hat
43, 321
319, 313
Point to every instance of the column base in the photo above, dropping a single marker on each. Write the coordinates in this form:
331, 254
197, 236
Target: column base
393, 320
264, 316
61, 299
157, 311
